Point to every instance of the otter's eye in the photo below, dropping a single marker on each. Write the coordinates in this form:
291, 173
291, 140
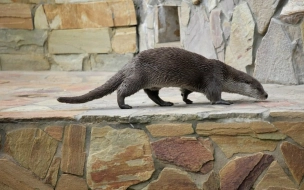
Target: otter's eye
247, 82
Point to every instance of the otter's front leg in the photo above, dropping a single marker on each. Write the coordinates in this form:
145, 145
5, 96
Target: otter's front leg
185, 93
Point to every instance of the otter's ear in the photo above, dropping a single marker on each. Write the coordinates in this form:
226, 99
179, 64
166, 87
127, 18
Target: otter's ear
247, 82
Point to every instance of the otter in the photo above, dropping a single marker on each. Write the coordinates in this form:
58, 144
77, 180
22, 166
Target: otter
154, 69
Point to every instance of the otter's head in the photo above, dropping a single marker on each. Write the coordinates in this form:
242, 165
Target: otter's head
254, 89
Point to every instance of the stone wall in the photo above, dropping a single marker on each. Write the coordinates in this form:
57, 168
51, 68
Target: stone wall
220, 151
262, 38
67, 35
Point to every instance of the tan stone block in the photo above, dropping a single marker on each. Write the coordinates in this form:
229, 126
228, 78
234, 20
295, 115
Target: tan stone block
213, 128
212, 183
52, 175
80, 41
294, 156
91, 15
172, 179
242, 144
32, 148
67, 182
124, 40
275, 178
13, 177
170, 130
73, 150
16, 16
23, 62
294, 130
118, 158
287, 115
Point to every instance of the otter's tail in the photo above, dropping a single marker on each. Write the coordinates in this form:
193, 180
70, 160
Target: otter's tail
110, 86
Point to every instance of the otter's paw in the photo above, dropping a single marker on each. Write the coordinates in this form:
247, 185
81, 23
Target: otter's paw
166, 104
125, 106
187, 101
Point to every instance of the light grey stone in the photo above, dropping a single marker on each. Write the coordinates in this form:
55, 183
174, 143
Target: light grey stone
212, 4
274, 57
239, 51
22, 41
72, 62
226, 29
198, 35
293, 11
40, 20
185, 13
263, 11
216, 31
80, 41
27, 62
227, 7
109, 62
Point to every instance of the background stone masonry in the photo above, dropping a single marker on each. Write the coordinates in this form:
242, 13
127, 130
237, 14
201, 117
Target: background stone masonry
224, 153
262, 38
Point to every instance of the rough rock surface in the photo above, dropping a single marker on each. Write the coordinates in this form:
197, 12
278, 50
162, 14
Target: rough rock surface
91, 15
169, 130
293, 12
294, 130
55, 132
239, 49
52, 174
73, 149
126, 162
22, 41
273, 60
40, 19
80, 41
107, 62
32, 148
234, 172
72, 62
188, 153
242, 144
24, 62
17, 16
67, 181
212, 183
198, 35
216, 31
172, 179
14, 177
294, 156
262, 12
275, 178
128, 37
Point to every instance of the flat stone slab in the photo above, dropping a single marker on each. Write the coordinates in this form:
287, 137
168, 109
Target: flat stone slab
32, 96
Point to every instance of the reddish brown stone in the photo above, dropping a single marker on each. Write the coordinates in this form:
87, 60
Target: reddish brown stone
207, 167
67, 182
172, 179
73, 150
51, 176
234, 173
16, 16
55, 132
212, 183
294, 157
265, 161
190, 154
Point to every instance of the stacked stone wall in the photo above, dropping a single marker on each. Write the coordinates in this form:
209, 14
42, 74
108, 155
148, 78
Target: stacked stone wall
67, 35
218, 151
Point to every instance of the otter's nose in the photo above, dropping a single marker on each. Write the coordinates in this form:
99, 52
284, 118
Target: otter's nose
266, 96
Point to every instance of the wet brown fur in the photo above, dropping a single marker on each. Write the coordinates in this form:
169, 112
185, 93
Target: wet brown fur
154, 69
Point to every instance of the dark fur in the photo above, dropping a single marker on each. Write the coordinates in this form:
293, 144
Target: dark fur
173, 67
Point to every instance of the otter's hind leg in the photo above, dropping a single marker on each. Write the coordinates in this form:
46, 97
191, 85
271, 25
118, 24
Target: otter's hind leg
185, 93
127, 88
153, 95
